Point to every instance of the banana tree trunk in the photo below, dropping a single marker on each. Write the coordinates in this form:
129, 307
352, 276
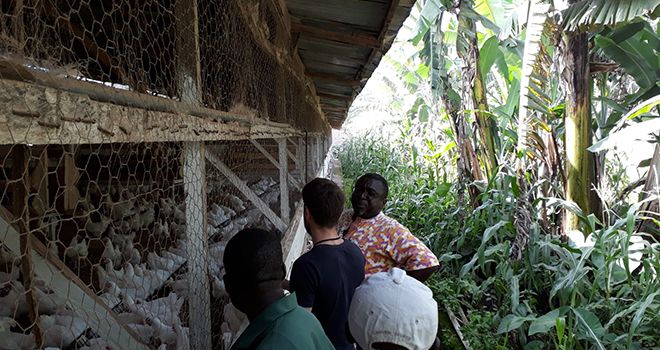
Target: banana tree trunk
474, 89
467, 163
579, 161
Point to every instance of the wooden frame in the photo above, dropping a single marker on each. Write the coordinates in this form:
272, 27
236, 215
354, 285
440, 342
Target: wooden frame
276, 163
245, 190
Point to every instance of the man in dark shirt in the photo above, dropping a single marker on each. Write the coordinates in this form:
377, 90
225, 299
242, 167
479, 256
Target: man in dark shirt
324, 279
254, 273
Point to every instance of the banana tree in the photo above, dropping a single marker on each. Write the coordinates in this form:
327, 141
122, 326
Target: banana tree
474, 91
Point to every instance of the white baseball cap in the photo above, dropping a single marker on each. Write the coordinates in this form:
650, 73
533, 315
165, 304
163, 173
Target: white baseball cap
392, 307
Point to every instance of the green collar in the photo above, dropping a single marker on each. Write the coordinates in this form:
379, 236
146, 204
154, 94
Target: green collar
265, 320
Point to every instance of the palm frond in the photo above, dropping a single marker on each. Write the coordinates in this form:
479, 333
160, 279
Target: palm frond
536, 17
605, 12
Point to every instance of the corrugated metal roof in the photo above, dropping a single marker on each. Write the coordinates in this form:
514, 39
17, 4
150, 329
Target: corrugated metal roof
341, 42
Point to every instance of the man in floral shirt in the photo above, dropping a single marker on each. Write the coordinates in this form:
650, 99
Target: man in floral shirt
384, 242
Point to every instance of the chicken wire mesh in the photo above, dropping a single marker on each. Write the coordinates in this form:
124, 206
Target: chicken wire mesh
110, 241
245, 50
110, 251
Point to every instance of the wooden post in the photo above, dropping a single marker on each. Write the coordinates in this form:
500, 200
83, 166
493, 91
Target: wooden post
71, 177
300, 154
20, 208
39, 183
284, 189
194, 177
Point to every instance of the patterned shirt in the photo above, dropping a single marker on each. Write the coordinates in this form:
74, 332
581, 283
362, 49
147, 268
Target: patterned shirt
386, 243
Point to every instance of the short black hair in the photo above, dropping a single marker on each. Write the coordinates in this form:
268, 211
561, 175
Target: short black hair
324, 200
377, 177
254, 256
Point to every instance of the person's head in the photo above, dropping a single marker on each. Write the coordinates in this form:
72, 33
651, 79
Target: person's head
254, 267
392, 310
324, 203
369, 195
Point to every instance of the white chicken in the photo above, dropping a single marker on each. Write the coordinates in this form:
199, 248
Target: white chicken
110, 252
130, 253
16, 341
13, 302
61, 331
77, 250
236, 203
161, 229
96, 229
165, 309
168, 262
121, 209
147, 217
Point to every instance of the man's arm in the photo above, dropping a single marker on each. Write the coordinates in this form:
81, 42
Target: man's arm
413, 255
303, 282
423, 274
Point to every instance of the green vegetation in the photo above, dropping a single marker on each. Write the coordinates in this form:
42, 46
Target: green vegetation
486, 187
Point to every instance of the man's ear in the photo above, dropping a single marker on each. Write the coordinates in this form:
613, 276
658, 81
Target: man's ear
308, 215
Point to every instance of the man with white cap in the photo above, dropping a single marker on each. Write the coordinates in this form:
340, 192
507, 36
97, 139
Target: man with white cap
393, 311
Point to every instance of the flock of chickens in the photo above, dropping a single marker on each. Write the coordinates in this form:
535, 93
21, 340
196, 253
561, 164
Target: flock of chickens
147, 290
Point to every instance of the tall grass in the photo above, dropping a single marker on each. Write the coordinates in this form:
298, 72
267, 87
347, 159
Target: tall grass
557, 297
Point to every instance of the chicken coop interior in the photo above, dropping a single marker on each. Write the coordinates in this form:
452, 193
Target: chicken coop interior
137, 137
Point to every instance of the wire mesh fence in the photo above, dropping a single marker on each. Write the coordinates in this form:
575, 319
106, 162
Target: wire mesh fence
97, 244
124, 176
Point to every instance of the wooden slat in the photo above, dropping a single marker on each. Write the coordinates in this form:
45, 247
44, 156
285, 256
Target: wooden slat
343, 80
358, 39
71, 118
335, 96
66, 284
284, 189
245, 190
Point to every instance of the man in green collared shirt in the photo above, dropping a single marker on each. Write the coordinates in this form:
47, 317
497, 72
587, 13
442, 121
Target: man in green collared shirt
254, 273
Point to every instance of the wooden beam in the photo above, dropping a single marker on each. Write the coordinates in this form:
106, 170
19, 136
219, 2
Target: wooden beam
67, 285
194, 182
71, 177
39, 183
270, 158
392, 7
300, 154
358, 39
339, 79
73, 118
334, 108
334, 96
284, 189
20, 193
245, 190
188, 76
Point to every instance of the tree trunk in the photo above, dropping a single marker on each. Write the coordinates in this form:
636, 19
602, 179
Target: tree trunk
473, 89
579, 161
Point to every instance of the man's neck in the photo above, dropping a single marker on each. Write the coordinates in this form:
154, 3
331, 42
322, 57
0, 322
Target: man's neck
323, 233
263, 298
